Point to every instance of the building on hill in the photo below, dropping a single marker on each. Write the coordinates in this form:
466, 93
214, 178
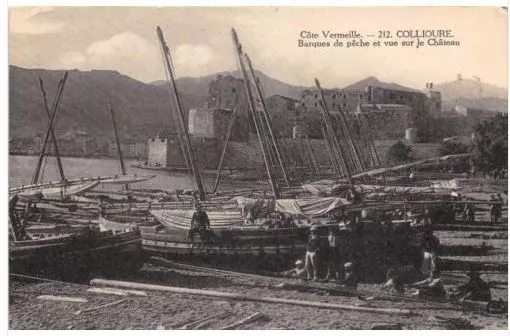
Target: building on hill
423, 104
336, 99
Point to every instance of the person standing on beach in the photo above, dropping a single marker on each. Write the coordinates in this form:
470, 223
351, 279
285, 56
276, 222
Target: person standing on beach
332, 255
312, 248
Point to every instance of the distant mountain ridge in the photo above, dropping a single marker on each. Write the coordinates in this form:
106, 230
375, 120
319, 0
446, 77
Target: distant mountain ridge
140, 109
144, 109
199, 86
372, 81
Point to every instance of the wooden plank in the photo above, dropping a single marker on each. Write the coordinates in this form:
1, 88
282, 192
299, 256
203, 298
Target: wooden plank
243, 297
62, 298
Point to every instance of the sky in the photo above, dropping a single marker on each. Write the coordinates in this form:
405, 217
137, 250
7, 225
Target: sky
124, 39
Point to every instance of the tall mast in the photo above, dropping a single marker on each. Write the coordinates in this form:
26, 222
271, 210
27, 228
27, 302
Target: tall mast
267, 119
119, 150
224, 150
51, 123
53, 137
249, 94
328, 123
173, 91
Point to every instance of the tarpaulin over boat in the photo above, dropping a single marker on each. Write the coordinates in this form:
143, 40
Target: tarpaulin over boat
105, 225
181, 218
310, 207
256, 206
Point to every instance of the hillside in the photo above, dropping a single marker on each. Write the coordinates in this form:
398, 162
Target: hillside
199, 86
141, 109
362, 84
470, 88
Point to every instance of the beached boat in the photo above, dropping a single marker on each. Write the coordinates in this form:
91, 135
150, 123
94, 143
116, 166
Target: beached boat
69, 255
50, 252
275, 243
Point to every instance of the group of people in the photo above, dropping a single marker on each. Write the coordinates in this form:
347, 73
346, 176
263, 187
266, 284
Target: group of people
430, 285
309, 270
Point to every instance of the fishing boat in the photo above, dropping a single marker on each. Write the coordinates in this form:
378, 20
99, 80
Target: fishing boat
58, 254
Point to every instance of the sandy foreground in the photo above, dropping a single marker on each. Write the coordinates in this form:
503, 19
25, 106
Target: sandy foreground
170, 311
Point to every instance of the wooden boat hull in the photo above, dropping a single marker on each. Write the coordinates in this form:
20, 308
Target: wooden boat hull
372, 250
73, 256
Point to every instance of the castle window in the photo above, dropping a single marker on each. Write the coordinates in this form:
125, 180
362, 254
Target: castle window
302, 104
316, 96
233, 90
334, 97
333, 104
401, 97
360, 96
392, 96
315, 104
438, 105
345, 96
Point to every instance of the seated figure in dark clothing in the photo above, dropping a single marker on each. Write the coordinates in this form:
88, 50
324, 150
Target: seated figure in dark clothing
474, 289
200, 225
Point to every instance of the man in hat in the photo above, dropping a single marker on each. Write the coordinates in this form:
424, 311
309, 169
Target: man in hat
199, 223
474, 289
312, 248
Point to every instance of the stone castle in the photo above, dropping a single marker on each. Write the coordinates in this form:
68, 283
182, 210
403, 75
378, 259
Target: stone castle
389, 113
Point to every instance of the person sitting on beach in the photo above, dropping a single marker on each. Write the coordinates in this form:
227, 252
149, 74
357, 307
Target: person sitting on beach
430, 287
474, 289
350, 277
299, 271
393, 283
311, 259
